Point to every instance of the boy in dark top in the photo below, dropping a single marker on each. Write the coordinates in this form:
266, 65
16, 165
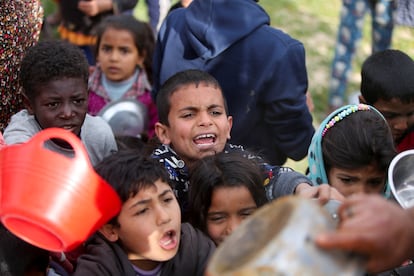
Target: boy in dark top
194, 122
146, 237
387, 83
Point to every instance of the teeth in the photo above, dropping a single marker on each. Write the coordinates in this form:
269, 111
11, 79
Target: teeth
205, 136
167, 242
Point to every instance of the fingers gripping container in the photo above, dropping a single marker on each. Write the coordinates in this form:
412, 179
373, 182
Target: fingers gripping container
50, 200
278, 239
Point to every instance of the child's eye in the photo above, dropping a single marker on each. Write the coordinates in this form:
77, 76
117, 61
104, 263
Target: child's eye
346, 180
124, 51
79, 101
168, 199
141, 212
247, 212
216, 113
187, 115
105, 49
375, 183
52, 105
216, 219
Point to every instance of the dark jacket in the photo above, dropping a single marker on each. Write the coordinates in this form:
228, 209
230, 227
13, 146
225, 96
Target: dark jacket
261, 69
105, 258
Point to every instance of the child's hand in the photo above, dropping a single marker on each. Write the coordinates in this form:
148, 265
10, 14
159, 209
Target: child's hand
322, 192
94, 7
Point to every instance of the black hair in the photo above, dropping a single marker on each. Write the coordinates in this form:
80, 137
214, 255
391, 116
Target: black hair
222, 170
18, 257
175, 82
128, 172
49, 61
361, 139
388, 74
141, 32
127, 142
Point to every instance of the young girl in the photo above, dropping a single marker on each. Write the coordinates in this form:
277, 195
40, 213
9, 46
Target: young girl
124, 53
226, 188
352, 150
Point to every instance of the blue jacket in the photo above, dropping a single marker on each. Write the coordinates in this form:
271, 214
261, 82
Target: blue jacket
261, 70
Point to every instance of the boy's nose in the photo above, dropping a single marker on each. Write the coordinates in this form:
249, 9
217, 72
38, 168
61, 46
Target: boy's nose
360, 189
66, 111
163, 216
401, 123
205, 119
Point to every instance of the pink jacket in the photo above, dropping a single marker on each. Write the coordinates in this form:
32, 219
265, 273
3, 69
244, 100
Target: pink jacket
140, 91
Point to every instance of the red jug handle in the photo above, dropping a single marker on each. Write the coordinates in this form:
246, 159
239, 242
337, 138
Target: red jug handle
65, 135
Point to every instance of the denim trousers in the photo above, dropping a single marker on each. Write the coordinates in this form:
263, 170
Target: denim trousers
349, 34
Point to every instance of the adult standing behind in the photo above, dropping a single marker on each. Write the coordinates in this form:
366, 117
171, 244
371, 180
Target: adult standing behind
79, 19
261, 69
21, 22
405, 13
350, 32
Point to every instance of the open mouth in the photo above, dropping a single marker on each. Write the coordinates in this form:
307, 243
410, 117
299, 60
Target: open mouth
205, 139
71, 128
169, 240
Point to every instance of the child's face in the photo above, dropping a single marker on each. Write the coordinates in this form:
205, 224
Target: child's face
229, 206
150, 224
399, 115
368, 180
199, 125
118, 55
61, 103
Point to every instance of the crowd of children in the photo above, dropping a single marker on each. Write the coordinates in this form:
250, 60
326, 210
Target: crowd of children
187, 188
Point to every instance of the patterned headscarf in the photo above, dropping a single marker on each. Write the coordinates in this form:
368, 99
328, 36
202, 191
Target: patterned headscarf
317, 171
20, 25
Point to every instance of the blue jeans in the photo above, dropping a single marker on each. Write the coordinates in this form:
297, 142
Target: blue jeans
350, 32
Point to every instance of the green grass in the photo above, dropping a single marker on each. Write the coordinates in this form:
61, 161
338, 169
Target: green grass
314, 23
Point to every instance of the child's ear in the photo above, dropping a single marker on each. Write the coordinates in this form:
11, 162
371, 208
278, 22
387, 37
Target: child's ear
230, 122
110, 232
27, 103
141, 59
362, 99
162, 132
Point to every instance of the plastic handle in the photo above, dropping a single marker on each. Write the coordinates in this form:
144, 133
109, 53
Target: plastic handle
63, 134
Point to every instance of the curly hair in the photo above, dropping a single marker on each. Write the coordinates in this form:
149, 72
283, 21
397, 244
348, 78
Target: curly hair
51, 60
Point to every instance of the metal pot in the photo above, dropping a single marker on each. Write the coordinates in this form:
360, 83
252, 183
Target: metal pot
278, 240
401, 178
127, 117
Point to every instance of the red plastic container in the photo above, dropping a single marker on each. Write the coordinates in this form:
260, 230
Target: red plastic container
50, 200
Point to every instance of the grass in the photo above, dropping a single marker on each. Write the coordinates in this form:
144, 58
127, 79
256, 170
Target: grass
315, 24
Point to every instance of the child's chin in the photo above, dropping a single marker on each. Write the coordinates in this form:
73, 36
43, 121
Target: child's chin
167, 255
